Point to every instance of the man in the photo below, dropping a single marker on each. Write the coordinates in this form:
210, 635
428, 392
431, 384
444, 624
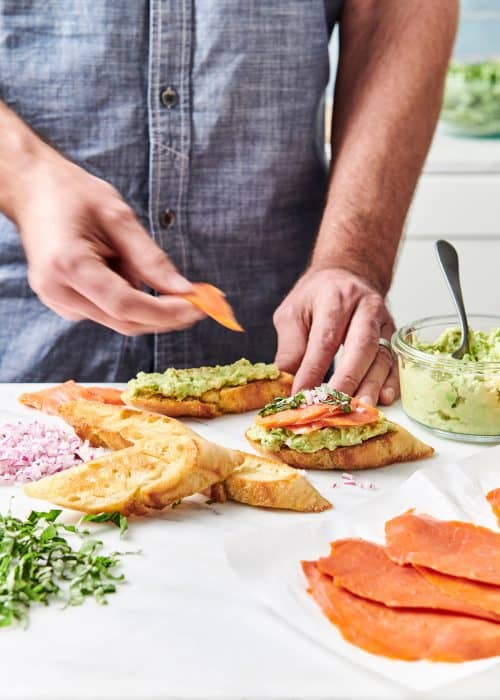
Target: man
152, 143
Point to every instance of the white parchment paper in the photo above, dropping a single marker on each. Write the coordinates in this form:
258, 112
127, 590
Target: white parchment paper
269, 563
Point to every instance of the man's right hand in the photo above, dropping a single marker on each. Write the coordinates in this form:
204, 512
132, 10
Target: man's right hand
88, 256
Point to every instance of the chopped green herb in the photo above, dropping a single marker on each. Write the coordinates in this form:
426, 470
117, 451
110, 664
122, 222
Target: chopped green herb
176, 503
37, 564
336, 398
116, 518
282, 403
210, 502
322, 394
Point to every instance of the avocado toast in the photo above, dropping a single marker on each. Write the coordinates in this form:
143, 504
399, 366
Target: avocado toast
326, 429
207, 392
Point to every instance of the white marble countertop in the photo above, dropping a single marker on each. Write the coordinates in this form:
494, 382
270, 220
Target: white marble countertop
182, 627
459, 155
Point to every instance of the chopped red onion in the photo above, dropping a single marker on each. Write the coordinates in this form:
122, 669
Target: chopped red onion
351, 480
30, 451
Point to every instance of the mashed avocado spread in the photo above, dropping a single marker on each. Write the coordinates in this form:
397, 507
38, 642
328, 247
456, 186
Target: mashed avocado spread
483, 347
183, 383
457, 396
329, 438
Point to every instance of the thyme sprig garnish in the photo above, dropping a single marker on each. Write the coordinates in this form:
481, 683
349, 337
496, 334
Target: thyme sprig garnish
323, 394
283, 403
39, 565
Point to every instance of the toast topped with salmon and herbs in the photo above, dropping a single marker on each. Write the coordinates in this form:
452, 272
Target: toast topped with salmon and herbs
323, 428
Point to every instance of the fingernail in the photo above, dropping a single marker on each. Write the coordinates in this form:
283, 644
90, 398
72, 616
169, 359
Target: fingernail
389, 394
177, 284
367, 399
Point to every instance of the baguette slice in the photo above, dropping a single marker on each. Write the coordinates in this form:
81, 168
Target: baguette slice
158, 461
118, 427
397, 445
231, 399
269, 484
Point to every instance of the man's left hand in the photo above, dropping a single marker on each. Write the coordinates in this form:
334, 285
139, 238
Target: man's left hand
329, 307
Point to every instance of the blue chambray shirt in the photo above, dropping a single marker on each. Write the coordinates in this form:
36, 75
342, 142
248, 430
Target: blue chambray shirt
204, 115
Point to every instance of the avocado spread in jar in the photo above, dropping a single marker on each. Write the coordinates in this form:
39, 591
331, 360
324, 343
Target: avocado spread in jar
194, 382
457, 396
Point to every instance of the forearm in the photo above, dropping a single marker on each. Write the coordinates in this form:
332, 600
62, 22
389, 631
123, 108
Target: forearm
393, 59
21, 150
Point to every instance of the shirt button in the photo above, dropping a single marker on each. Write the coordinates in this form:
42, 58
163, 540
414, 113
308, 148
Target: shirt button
169, 97
167, 218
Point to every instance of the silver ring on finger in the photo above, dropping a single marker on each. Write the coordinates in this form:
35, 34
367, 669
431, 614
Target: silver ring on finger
384, 343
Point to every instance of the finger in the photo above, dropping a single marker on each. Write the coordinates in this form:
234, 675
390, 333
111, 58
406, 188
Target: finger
117, 299
96, 316
360, 348
292, 334
373, 381
140, 253
122, 268
67, 314
327, 330
74, 307
390, 390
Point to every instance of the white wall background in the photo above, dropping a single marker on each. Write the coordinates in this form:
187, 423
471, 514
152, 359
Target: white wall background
458, 198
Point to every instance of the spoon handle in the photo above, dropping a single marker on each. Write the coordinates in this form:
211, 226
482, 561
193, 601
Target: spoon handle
448, 259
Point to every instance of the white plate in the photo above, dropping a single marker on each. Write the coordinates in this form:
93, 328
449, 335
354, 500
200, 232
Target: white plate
269, 564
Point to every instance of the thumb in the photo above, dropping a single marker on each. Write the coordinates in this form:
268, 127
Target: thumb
139, 253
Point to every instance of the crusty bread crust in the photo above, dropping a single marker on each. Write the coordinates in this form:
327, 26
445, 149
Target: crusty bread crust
233, 399
269, 484
158, 461
397, 445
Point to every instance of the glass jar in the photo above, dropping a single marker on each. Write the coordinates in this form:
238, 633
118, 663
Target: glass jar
457, 399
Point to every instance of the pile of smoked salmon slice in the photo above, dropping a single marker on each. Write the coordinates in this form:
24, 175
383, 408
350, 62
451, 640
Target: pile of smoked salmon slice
432, 592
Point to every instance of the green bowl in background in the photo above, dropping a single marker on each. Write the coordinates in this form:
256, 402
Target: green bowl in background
471, 105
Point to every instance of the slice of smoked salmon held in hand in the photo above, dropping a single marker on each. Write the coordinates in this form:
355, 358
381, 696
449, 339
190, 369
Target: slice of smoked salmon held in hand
400, 633
493, 498
364, 568
452, 547
212, 301
48, 400
482, 595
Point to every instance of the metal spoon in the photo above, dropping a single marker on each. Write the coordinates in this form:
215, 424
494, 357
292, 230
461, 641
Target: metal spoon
448, 259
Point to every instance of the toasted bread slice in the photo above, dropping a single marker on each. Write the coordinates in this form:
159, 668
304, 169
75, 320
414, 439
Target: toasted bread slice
269, 484
231, 399
117, 427
397, 445
158, 461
